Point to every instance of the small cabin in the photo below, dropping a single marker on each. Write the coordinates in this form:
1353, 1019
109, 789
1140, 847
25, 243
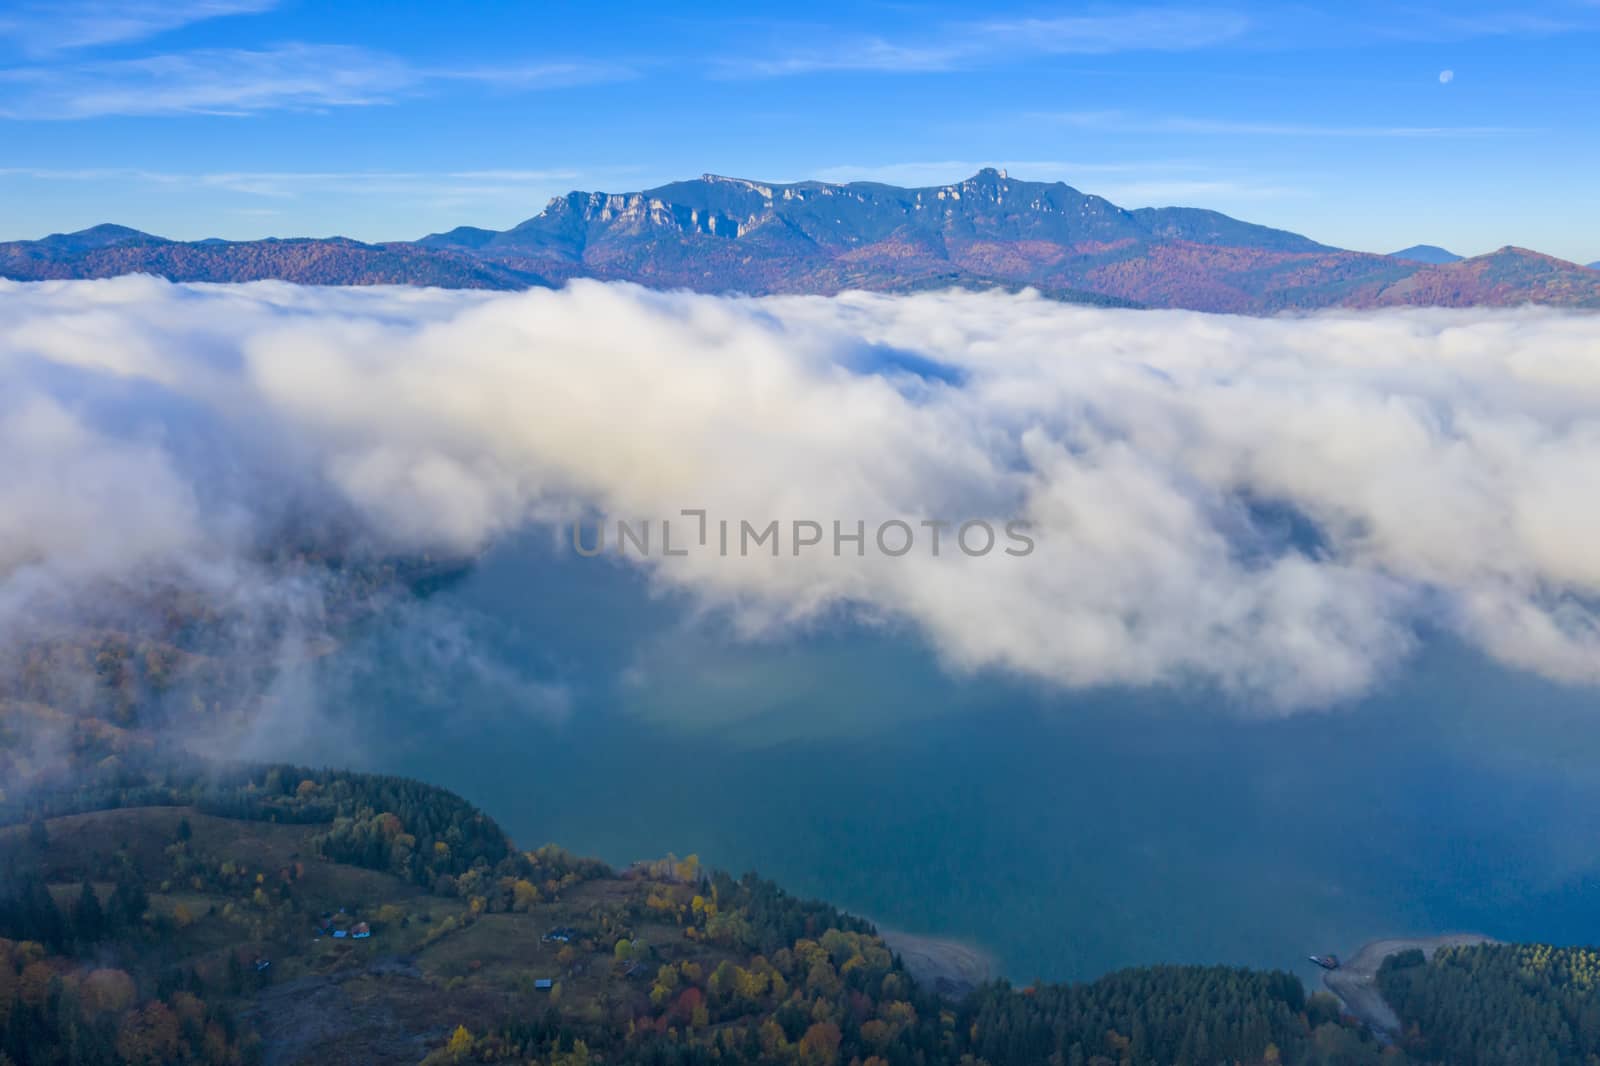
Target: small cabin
360, 931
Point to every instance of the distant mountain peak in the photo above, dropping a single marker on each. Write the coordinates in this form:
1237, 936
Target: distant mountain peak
107, 229
104, 235
741, 183
1517, 252
1431, 254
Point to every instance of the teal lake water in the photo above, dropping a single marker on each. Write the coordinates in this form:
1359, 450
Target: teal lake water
1067, 833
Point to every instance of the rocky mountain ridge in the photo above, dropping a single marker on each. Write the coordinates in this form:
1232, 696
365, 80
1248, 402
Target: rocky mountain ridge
723, 234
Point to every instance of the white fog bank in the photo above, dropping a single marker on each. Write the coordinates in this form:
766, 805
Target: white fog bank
1277, 508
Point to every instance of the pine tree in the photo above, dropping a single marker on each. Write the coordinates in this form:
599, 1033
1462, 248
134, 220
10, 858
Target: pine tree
88, 919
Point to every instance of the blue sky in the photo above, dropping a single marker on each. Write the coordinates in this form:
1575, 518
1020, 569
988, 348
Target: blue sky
248, 118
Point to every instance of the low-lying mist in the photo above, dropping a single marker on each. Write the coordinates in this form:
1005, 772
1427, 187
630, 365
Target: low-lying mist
1273, 510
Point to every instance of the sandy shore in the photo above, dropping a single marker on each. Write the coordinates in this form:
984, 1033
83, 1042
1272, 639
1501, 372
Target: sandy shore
1356, 981
949, 967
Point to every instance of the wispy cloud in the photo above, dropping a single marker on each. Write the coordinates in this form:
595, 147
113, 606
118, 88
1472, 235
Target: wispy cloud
555, 75
1150, 30
1119, 121
864, 54
1291, 27
292, 77
289, 185
973, 44
988, 42
213, 81
1456, 26
63, 25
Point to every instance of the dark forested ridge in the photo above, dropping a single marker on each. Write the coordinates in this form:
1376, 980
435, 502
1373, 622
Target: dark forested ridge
1532, 1004
183, 913
1165, 1014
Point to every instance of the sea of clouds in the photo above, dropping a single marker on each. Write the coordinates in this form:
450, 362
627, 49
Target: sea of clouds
1279, 509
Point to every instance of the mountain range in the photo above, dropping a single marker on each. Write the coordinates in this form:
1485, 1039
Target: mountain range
720, 234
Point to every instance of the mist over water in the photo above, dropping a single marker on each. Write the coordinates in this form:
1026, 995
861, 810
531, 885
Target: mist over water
1286, 672
1066, 833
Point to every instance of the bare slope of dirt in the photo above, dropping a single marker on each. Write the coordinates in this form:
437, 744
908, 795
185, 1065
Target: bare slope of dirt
1356, 982
948, 966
